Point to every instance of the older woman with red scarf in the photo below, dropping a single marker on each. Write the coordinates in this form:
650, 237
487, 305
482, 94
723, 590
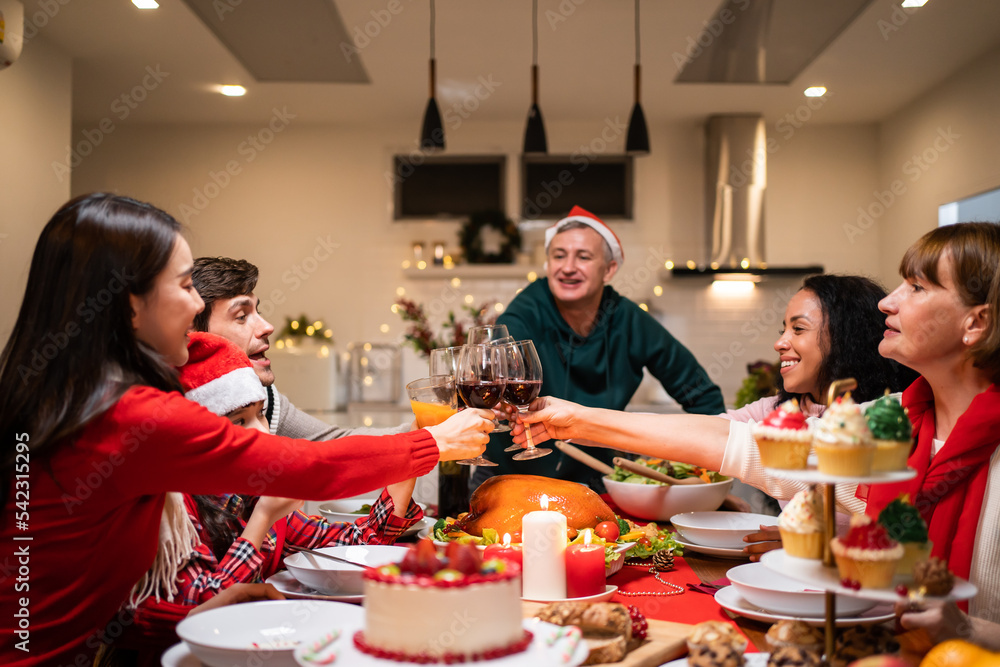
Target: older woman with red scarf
941, 322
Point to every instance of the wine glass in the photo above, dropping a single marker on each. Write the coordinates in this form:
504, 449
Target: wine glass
486, 333
481, 369
523, 383
432, 399
444, 360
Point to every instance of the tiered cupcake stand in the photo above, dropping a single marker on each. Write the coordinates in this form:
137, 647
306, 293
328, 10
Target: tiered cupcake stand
823, 574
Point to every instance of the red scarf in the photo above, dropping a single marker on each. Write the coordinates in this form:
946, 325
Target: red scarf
948, 490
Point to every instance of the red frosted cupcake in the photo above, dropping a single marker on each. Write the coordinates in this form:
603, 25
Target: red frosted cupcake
866, 555
783, 437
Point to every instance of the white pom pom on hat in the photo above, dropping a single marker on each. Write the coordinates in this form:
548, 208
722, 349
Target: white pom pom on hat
218, 375
578, 214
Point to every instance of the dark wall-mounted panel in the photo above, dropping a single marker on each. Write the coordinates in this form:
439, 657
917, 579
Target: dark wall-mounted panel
553, 184
448, 187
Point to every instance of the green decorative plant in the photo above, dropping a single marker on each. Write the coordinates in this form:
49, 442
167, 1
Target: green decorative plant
453, 331
761, 381
303, 327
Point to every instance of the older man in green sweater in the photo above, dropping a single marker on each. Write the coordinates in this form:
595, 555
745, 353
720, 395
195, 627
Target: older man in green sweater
593, 343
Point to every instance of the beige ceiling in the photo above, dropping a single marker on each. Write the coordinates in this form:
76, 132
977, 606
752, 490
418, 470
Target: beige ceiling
885, 59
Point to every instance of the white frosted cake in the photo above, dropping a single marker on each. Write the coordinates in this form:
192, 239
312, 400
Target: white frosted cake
456, 610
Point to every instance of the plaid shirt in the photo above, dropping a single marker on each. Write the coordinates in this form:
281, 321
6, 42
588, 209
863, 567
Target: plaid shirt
204, 576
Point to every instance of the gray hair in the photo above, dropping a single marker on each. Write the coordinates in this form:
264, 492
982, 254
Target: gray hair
576, 224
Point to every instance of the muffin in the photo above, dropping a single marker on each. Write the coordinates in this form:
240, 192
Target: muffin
717, 654
792, 656
866, 556
905, 525
801, 525
783, 437
842, 440
862, 641
797, 634
892, 434
933, 577
715, 640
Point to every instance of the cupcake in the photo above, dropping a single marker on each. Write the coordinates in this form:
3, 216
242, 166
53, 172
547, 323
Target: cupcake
905, 525
801, 525
892, 433
791, 656
933, 577
783, 437
715, 640
866, 557
795, 634
842, 440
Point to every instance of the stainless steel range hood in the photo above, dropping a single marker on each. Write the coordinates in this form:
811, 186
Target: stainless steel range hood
735, 184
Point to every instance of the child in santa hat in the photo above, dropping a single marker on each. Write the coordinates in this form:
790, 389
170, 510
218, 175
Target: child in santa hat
209, 543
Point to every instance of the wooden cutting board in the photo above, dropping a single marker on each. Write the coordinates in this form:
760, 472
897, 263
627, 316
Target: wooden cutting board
664, 641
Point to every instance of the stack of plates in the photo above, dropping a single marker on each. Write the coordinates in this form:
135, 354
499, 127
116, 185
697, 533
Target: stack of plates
718, 533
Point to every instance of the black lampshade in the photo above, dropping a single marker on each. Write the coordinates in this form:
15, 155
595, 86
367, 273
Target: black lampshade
534, 132
432, 131
637, 139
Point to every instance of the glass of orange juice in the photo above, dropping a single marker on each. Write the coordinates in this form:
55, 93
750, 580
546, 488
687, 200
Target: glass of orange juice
432, 399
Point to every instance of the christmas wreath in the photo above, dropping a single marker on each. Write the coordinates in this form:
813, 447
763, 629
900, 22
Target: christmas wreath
470, 237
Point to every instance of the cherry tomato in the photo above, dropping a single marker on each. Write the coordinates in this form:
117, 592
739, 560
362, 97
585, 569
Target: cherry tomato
644, 541
608, 530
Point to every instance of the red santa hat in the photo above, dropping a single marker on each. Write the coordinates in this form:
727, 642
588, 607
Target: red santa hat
218, 375
578, 214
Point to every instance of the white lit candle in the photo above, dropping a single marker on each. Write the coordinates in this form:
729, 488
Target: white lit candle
543, 538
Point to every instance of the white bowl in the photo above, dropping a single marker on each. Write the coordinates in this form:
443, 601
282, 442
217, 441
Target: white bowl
226, 636
333, 578
721, 530
660, 502
348, 509
774, 592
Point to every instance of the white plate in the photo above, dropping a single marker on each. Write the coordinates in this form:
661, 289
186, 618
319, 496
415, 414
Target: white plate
730, 599
292, 588
720, 530
814, 476
538, 653
179, 655
814, 573
752, 660
609, 591
715, 551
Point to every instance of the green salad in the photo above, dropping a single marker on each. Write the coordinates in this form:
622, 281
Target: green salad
671, 468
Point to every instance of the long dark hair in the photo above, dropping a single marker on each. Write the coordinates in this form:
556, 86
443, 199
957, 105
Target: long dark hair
73, 352
853, 327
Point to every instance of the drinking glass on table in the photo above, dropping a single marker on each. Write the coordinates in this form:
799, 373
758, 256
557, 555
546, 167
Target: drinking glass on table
523, 382
432, 399
481, 370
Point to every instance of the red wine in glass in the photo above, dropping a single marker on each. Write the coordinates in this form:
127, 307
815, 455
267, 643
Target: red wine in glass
483, 394
521, 392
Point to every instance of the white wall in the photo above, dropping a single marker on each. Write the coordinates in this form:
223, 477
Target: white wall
942, 147
36, 119
312, 186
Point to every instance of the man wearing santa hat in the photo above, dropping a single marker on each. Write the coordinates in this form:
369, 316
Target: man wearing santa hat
593, 343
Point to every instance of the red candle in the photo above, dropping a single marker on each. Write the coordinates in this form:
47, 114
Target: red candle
505, 552
584, 569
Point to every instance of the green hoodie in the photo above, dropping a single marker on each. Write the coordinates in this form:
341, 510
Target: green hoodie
600, 370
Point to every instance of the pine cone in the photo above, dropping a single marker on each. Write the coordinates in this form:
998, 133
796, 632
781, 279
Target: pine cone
663, 561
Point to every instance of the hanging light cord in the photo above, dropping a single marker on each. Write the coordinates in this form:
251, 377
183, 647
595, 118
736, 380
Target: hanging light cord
637, 50
432, 29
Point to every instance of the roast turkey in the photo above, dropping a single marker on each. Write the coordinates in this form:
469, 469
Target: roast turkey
502, 500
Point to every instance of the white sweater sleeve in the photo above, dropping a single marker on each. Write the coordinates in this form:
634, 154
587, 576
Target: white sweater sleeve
742, 461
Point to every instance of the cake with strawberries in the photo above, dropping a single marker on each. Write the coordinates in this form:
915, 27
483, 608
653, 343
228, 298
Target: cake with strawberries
456, 609
783, 437
866, 557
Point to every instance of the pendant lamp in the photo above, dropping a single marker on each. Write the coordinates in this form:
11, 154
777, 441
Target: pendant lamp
534, 132
432, 131
637, 139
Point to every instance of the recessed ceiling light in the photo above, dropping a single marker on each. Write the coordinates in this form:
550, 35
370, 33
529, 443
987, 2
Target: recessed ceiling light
233, 91
913, 3
146, 4
815, 91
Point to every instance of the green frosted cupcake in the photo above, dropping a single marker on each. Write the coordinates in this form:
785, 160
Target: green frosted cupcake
892, 432
905, 525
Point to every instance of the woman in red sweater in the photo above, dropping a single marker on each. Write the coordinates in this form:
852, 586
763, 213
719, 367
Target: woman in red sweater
97, 432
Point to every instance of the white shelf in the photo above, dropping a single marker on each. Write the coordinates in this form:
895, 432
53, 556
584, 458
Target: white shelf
475, 272
814, 573
814, 476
